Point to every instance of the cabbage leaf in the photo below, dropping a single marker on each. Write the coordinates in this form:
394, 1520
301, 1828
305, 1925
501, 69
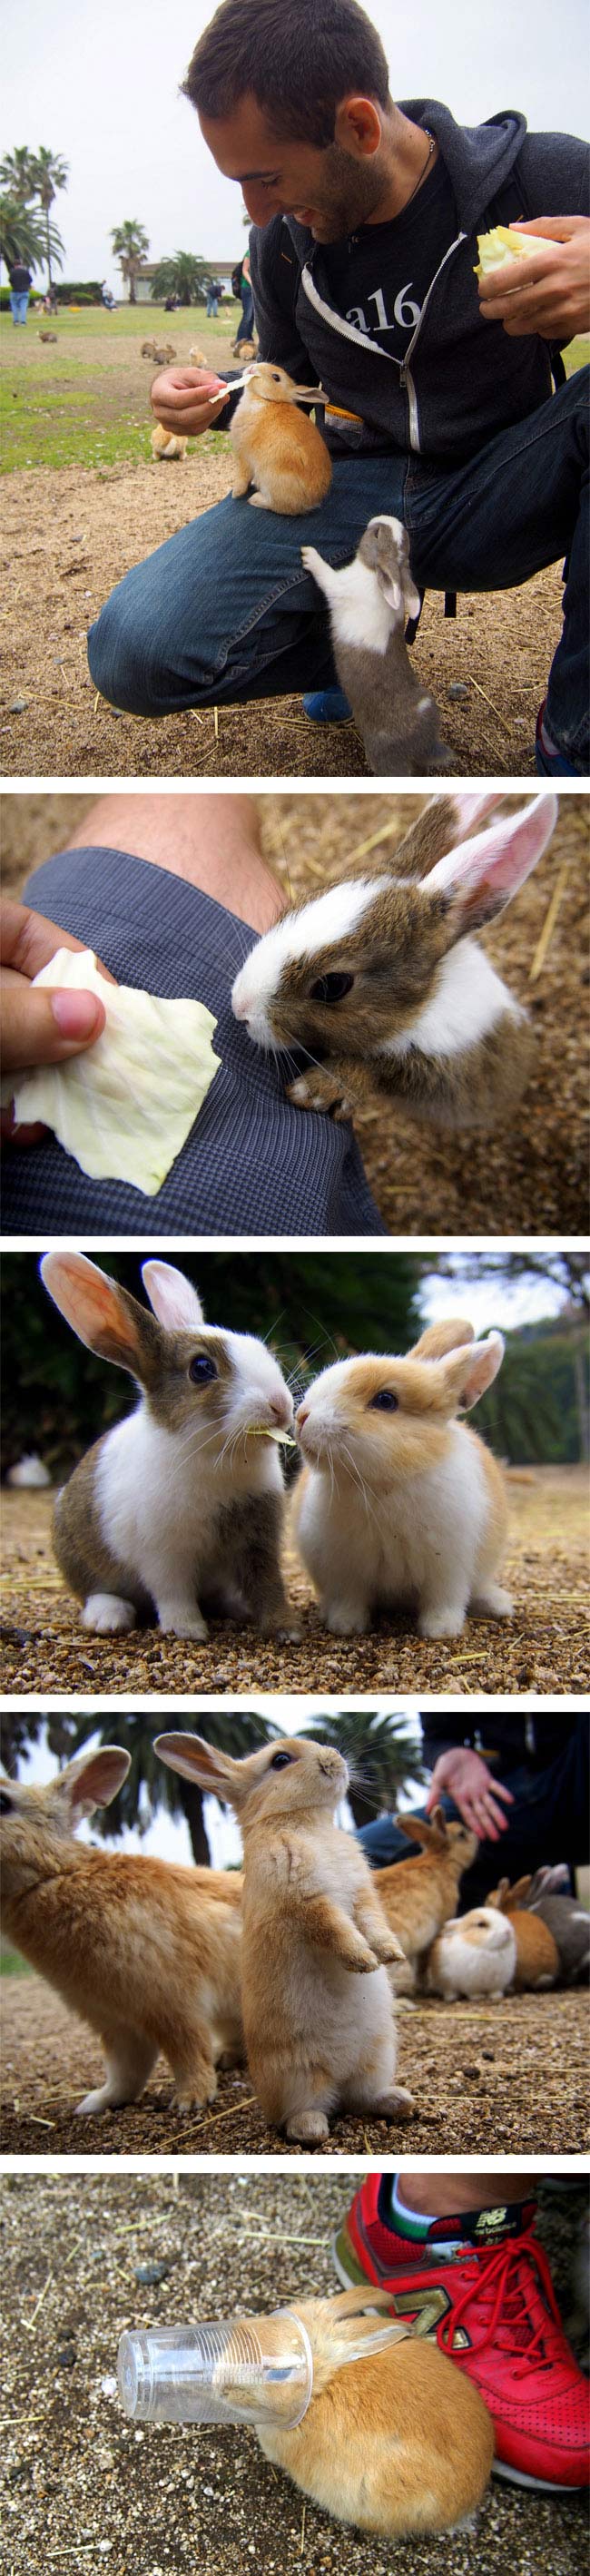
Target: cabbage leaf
125, 1106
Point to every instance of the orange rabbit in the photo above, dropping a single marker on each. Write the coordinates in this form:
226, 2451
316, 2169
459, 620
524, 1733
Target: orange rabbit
396, 2439
276, 448
537, 1955
419, 1895
147, 1952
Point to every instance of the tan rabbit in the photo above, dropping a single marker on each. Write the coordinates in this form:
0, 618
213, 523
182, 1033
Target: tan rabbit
144, 1950
276, 448
537, 1960
419, 1894
398, 1501
396, 2439
381, 978
318, 2039
473, 1955
177, 1504
165, 445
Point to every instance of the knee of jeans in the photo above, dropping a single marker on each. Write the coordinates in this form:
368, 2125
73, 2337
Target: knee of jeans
120, 659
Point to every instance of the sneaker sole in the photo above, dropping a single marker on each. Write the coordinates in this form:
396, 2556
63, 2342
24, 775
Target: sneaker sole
351, 2274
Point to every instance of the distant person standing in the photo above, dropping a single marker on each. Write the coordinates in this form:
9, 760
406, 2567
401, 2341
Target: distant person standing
213, 292
20, 280
247, 300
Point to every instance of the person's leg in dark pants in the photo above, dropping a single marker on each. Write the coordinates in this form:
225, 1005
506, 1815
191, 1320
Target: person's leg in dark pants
547, 1822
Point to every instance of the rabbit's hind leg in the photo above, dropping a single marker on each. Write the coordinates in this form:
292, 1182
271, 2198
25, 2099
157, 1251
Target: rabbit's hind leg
130, 2058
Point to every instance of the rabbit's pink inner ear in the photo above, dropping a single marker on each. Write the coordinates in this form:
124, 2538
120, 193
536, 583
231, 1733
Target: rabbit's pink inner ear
91, 1303
483, 874
95, 1781
470, 810
470, 1372
172, 1297
196, 1760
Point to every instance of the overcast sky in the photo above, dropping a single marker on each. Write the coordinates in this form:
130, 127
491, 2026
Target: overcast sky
100, 86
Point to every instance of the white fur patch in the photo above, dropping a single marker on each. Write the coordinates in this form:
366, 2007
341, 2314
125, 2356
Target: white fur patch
359, 612
328, 918
469, 997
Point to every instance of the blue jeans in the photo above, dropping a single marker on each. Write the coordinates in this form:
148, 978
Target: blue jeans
547, 1823
224, 612
19, 304
247, 300
212, 308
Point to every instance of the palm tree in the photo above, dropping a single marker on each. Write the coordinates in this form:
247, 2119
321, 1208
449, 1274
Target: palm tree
20, 234
50, 172
149, 1785
383, 1756
17, 174
181, 275
130, 246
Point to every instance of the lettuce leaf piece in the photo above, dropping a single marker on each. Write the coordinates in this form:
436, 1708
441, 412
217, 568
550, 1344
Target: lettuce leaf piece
123, 1108
502, 244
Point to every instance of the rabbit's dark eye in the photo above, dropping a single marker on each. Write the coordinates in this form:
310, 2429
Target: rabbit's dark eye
385, 1401
280, 1761
202, 1369
331, 988
5, 1804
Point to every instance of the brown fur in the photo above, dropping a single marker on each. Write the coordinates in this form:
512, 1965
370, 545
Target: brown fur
276, 447
419, 1895
312, 1924
395, 954
145, 1951
166, 447
395, 2442
537, 1955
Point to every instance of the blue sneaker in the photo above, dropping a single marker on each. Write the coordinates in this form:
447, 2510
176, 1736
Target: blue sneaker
327, 706
549, 762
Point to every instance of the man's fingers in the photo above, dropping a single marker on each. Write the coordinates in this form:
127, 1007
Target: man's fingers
43, 1024
28, 940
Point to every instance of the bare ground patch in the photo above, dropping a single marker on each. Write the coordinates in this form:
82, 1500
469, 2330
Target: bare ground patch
509, 2078
543, 1647
81, 2490
531, 1177
71, 533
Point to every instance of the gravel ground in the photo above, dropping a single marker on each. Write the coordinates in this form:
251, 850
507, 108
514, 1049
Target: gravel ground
530, 1178
70, 533
541, 1648
512, 2076
82, 2489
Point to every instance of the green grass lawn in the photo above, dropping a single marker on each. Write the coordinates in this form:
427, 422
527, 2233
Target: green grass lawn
11, 1963
85, 401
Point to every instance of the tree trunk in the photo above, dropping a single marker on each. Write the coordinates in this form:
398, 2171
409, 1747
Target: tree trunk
132, 294
191, 1801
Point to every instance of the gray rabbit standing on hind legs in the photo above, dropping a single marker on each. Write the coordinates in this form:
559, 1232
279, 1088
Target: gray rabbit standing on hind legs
369, 601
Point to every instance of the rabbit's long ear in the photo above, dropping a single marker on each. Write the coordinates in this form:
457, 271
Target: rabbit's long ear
196, 1760
469, 1372
93, 1779
480, 876
173, 1298
103, 1315
438, 1339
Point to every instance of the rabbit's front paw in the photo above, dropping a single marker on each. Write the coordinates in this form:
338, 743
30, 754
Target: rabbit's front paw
446, 1622
396, 2105
319, 1090
346, 1619
177, 1620
108, 1616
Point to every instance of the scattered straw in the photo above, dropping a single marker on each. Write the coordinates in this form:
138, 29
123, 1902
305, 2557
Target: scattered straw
488, 702
549, 922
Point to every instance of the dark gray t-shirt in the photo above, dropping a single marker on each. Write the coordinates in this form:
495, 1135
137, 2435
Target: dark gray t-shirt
379, 276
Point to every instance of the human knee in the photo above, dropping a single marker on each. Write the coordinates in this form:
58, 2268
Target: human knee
120, 658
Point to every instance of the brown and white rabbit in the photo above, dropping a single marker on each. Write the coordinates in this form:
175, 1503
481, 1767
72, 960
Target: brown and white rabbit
369, 601
399, 1503
395, 2439
380, 977
145, 1951
318, 2010
418, 1895
275, 447
537, 1955
475, 1955
177, 1504
569, 1922
166, 446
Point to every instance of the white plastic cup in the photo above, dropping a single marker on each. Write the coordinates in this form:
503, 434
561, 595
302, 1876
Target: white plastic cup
254, 2370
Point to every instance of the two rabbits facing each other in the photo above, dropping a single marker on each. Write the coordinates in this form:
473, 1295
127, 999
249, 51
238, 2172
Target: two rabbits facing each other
381, 978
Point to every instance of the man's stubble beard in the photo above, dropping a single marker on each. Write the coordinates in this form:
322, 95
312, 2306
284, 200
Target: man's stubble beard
351, 194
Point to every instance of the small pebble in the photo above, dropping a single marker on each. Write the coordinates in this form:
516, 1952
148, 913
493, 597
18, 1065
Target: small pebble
17, 706
151, 2272
458, 689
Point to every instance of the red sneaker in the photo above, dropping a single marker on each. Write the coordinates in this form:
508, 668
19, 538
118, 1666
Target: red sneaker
491, 2306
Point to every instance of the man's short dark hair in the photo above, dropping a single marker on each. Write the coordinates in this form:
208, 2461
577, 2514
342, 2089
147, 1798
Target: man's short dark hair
297, 58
